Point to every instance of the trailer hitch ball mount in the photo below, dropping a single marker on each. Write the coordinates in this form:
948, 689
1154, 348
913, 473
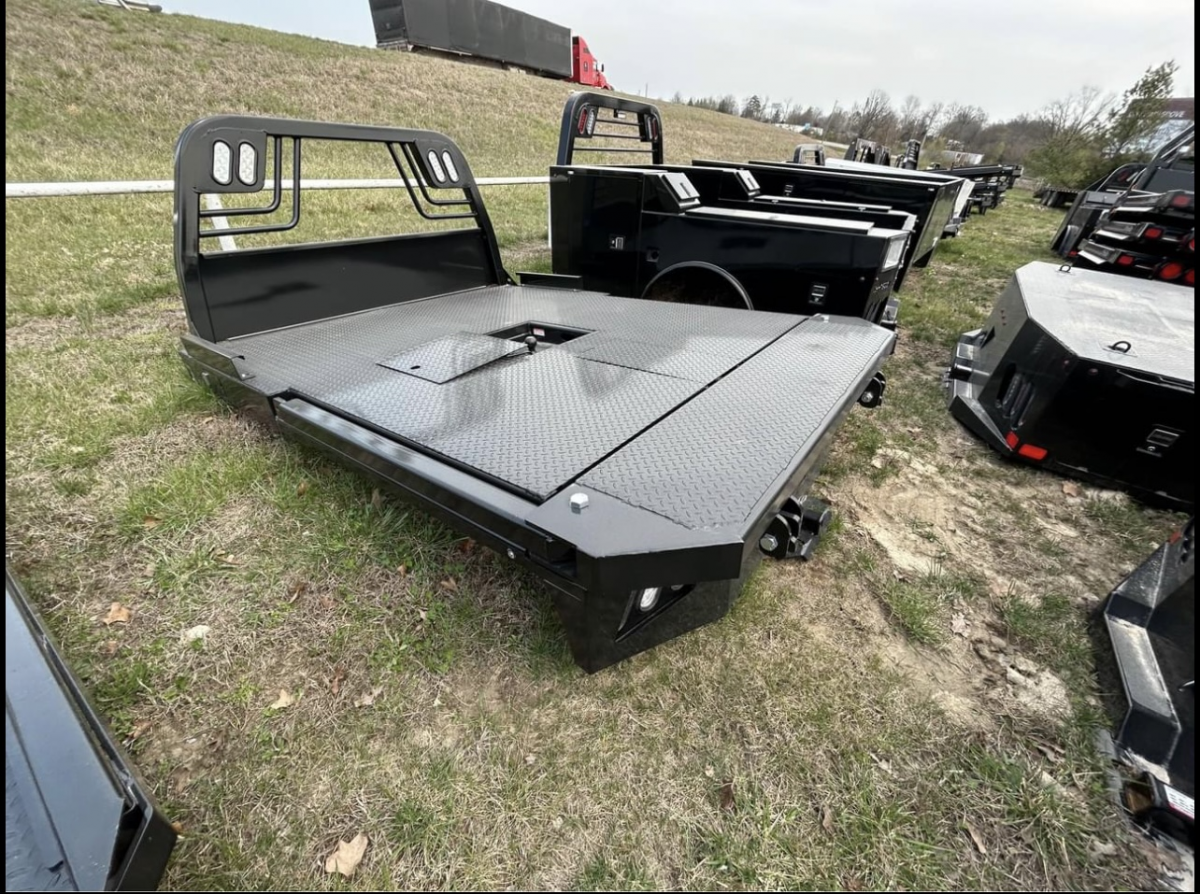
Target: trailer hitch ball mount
795, 531
872, 396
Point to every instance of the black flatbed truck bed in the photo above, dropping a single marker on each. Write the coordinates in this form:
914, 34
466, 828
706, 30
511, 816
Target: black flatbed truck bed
76, 818
639, 457
930, 199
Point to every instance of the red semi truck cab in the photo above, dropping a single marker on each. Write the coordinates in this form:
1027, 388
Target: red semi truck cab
584, 67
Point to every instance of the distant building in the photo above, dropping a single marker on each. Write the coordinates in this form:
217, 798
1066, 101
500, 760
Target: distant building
1180, 113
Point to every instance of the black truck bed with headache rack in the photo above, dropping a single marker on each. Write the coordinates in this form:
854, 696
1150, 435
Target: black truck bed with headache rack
640, 457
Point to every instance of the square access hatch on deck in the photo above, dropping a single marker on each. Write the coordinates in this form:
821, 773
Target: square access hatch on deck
447, 358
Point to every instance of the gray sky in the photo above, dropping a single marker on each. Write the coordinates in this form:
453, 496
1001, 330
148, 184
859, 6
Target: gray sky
1008, 57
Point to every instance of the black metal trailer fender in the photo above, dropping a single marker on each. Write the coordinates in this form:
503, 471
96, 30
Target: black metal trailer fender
1151, 620
639, 457
75, 815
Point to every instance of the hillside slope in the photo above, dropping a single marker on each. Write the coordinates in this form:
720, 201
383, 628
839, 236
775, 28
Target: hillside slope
75, 73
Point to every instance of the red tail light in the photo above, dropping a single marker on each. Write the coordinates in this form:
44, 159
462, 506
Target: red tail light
1189, 278
1073, 253
1183, 201
1037, 454
1169, 271
1012, 440
1126, 260
1153, 233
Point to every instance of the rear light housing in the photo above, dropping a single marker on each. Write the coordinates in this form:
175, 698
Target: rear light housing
1169, 271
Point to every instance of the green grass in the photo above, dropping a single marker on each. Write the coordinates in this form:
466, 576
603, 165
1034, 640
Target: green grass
833, 732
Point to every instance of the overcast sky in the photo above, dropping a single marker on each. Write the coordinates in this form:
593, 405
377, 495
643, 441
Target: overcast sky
1008, 57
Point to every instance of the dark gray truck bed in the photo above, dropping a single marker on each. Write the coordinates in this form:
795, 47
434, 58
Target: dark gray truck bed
639, 457
75, 817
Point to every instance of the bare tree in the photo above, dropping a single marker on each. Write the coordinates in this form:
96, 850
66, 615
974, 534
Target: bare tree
873, 117
963, 124
911, 118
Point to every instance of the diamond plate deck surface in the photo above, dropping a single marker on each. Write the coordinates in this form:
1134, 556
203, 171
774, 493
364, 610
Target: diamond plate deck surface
533, 421
709, 463
449, 357
1088, 309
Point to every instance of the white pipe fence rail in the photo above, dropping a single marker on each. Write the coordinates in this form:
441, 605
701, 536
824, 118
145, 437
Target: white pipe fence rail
139, 187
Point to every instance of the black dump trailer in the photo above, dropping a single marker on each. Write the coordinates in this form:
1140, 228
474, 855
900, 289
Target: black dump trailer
658, 231
1089, 375
639, 457
1172, 168
76, 817
1151, 621
478, 28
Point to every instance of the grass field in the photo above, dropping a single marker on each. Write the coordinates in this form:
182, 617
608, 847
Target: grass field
296, 658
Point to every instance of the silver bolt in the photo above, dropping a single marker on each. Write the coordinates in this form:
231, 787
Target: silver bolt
579, 502
511, 553
768, 543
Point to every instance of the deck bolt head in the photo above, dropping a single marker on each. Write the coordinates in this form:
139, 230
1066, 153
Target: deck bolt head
579, 502
768, 543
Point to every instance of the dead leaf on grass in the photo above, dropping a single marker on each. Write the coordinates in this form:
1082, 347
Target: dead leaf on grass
296, 590
1071, 489
339, 677
117, 614
728, 801
368, 698
467, 546
111, 647
345, 859
402, 570
301, 488
884, 765
960, 625
285, 700
150, 522
450, 584
976, 839
827, 819
177, 827
376, 499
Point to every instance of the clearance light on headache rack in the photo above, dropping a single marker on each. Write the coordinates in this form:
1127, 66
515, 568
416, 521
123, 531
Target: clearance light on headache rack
222, 162
435, 165
1153, 233
1183, 201
1126, 260
247, 164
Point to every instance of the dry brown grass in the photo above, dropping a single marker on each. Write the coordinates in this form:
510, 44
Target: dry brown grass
832, 732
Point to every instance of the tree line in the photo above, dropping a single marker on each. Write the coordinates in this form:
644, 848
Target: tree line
1071, 141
